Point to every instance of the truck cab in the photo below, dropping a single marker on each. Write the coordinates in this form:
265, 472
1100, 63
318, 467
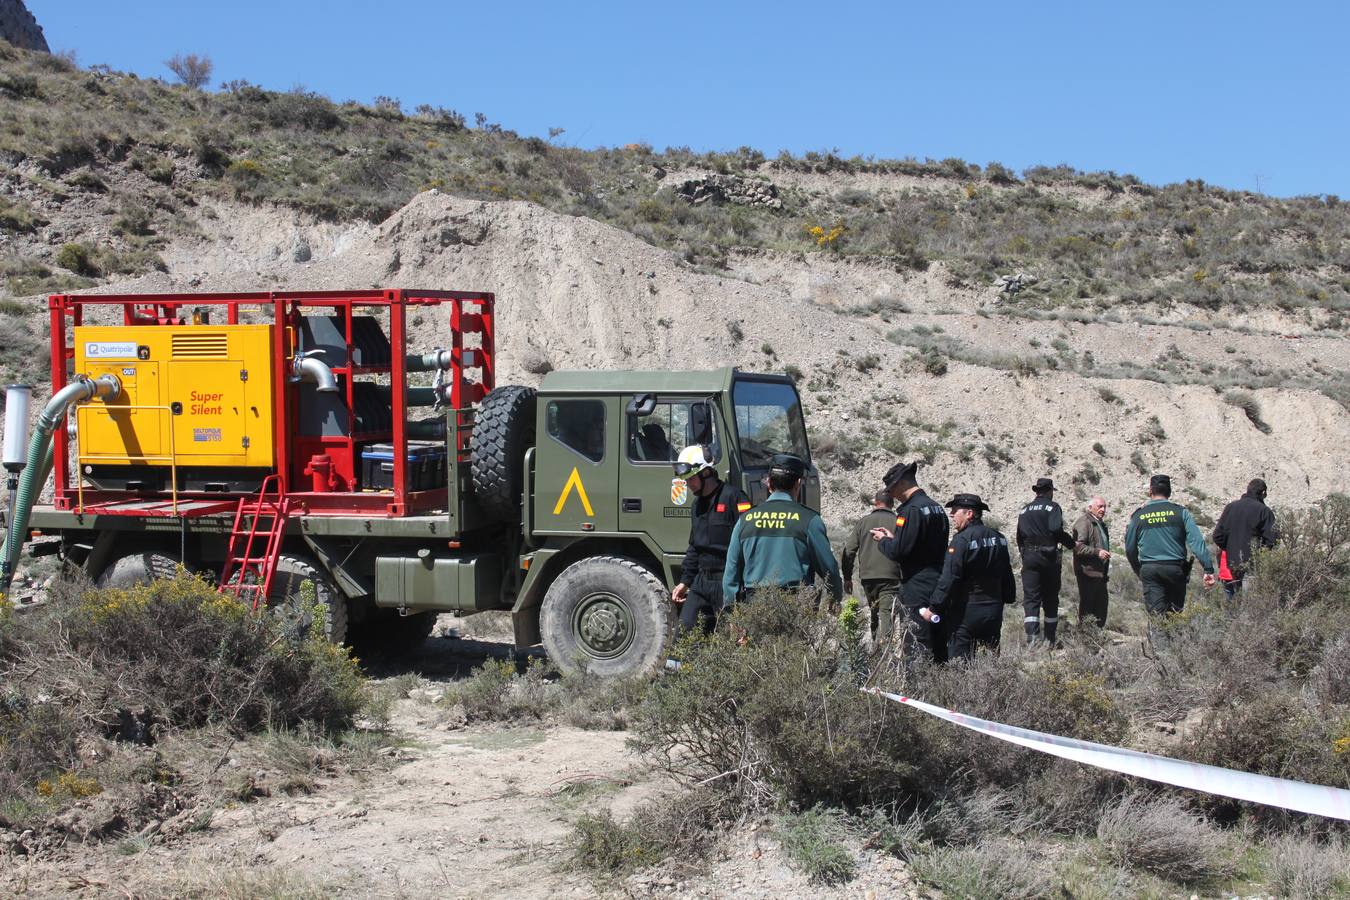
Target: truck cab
600, 485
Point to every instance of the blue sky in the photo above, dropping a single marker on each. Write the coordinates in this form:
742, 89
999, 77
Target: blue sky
1241, 94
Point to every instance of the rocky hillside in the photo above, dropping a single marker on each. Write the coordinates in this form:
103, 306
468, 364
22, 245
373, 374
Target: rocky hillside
1086, 327
18, 27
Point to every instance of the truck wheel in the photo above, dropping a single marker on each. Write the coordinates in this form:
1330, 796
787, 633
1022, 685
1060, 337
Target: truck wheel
607, 615
287, 598
503, 429
137, 568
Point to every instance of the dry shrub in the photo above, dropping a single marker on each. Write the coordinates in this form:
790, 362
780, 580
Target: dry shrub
1159, 835
1273, 735
98, 667
1311, 561
984, 870
189, 656
498, 692
781, 717
678, 826
1304, 870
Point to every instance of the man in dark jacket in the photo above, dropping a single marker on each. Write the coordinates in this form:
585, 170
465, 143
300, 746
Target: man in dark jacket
1245, 520
717, 506
976, 583
919, 545
1092, 561
880, 575
1040, 534
1156, 543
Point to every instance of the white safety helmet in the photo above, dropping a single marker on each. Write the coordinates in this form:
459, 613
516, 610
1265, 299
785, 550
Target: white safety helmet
693, 460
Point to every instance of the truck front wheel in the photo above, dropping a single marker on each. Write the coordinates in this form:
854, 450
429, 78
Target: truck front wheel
606, 615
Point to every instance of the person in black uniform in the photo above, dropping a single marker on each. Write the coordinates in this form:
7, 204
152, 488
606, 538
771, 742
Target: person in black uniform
1040, 534
976, 583
1244, 523
717, 505
919, 545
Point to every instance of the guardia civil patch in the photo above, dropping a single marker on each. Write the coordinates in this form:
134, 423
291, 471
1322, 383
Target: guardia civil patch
679, 491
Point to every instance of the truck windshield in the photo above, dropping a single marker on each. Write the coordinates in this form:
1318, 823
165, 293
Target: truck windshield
769, 421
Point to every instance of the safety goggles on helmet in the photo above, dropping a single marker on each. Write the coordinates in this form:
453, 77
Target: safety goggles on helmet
693, 460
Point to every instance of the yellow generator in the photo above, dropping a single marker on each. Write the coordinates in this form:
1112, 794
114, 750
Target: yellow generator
195, 398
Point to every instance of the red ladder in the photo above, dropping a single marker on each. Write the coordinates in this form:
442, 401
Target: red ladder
248, 577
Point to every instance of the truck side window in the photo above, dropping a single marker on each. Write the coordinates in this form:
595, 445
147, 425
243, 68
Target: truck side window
578, 425
659, 437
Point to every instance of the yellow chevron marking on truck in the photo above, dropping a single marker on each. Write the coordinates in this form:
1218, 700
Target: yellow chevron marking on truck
573, 481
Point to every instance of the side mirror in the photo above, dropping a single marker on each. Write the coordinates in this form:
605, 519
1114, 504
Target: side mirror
700, 424
642, 405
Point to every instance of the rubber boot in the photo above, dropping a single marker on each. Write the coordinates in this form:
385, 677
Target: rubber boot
1050, 629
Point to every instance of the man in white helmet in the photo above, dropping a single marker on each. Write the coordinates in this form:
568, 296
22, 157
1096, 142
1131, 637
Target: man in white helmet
717, 506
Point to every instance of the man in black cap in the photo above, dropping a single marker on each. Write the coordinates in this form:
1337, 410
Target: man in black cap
780, 543
976, 583
919, 545
1040, 534
880, 575
1245, 520
1156, 541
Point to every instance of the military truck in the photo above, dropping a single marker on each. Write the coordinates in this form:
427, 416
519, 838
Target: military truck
277, 454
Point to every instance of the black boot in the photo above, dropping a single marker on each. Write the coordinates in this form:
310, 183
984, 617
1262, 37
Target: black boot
1033, 627
1050, 628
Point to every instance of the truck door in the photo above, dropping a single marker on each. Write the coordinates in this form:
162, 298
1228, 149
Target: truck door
651, 498
576, 465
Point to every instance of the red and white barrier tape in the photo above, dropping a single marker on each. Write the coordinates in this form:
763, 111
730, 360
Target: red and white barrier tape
1282, 792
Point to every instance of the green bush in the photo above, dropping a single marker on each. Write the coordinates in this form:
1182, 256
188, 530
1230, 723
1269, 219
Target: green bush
814, 843
192, 656
780, 719
78, 258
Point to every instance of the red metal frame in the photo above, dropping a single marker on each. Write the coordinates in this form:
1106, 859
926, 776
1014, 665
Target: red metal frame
471, 312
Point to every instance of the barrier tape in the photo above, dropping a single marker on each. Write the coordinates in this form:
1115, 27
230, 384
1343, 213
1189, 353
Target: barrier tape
1298, 796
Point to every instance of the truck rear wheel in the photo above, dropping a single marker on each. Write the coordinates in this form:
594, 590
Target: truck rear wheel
287, 598
137, 568
503, 429
607, 615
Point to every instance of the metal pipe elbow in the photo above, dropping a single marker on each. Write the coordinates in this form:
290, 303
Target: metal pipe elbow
82, 388
317, 372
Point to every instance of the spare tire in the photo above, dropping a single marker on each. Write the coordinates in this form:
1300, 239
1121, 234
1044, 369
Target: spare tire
503, 429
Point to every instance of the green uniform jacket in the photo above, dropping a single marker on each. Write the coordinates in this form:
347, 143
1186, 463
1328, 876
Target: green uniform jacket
780, 542
1160, 531
873, 565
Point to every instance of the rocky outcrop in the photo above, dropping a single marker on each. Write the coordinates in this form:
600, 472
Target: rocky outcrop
729, 189
18, 26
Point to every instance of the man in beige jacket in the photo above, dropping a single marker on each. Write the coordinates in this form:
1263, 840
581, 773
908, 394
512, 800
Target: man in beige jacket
1092, 561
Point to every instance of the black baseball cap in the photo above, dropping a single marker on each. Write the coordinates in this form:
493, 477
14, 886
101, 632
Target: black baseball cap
787, 464
1160, 484
900, 472
967, 501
